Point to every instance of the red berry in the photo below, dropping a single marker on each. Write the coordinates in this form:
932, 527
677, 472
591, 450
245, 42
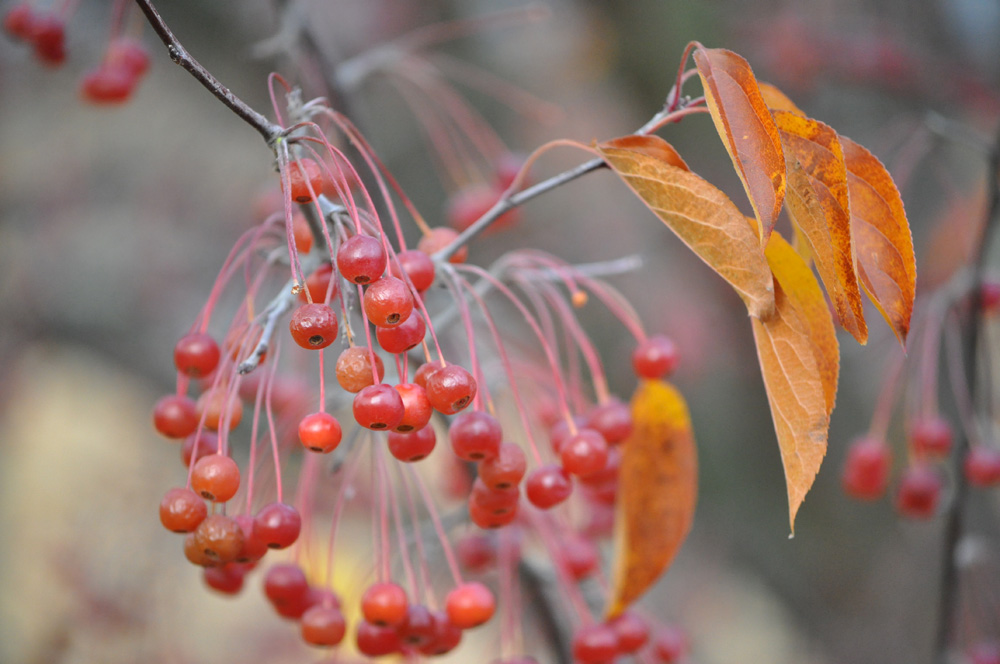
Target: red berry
413, 445
361, 259
470, 605
417, 265
468, 205
303, 238
49, 36
277, 525
607, 476
354, 369
196, 354
424, 372
417, 629
560, 432
476, 553
438, 239
506, 469
207, 443
388, 302
417, 408
303, 175
919, 492
580, 557
107, 85
632, 631
655, 357
217, 406
181, 510
670, 644
378, 407
216, 477
254, 548
585, 453
375, 641
451, 389
507, 169
314, 326
495, 501
174, 416
285, 583
319, 282
866, 470
547, 486
475, 435
219, 538
320, 432
402, 337
930, 437
489, 519
595, 644
989, 296
226, 579
323, 626
612, 419
982, 466
129, 55
384, 604
19, 21
446, 636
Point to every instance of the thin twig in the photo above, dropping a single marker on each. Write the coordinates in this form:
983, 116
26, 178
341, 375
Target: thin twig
269, 130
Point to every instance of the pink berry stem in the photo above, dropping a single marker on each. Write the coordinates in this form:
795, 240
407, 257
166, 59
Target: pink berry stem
270, 425
449, 554
404, 549
454, 282
427, 592
959, 381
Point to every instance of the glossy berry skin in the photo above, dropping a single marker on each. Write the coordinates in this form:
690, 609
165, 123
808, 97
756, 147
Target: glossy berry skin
402, 337
182, 510
595, 644
319, 282
450, 389
361, 259
417, 409
469, 605
982, 466
417, 629
254, 548
196, 354
216, 477
387, 302
303, 175
320, 432
174, 416
866, 470
424, 372
931, 437
375, 641
384, 604
226, 579
655, 357
506, 469
207, 442
632, 631
584, 453
495, 501
378, 407
323, 626
489, 519
417, 266
414, 445
354, 369
313, 326
285, 583
277, 525
219, 538
919, 492
669, 645
475, 435
547, 486
612, 419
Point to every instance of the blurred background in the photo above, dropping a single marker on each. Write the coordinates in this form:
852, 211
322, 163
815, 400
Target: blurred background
114, 222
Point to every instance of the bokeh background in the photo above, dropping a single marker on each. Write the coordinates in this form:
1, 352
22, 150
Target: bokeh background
114, 222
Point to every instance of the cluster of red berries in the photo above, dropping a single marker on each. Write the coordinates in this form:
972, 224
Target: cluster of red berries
124, 64
628, 634
471, 202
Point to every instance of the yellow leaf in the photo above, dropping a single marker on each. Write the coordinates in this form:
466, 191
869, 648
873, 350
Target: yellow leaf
703, 217
818, 203
744, 123
776, 100
800, 361
658, 488
882, 240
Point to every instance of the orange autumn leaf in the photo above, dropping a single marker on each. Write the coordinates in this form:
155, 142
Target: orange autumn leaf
819, 205
882, 241
654, 146
800, 362
658, 488
744, 123
703, 217
777, 100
